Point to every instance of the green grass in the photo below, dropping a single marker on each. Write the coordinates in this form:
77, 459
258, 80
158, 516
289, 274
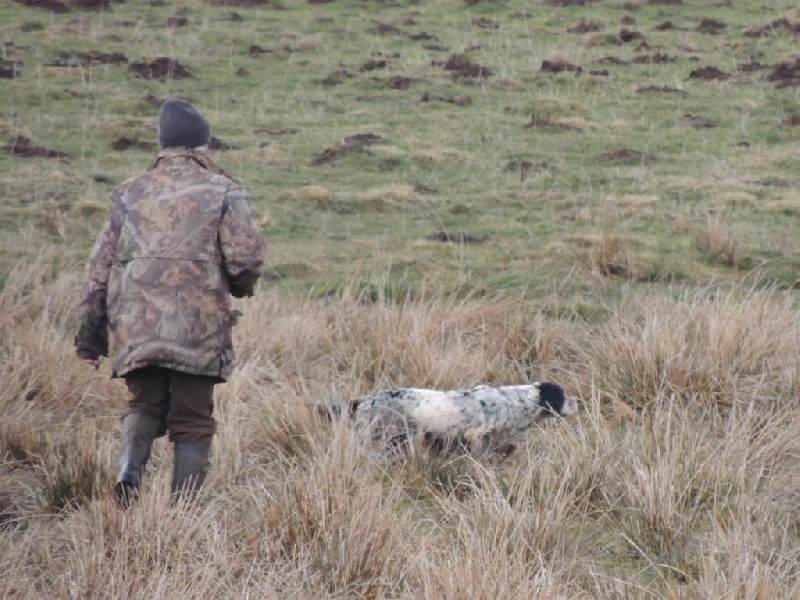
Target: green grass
461, 153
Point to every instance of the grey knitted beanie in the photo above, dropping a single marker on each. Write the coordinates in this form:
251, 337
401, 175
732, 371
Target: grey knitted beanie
181, 124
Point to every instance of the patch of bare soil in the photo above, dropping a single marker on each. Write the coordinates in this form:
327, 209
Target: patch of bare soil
461, 67
665, 26
599, 72
51, 5
752, 66
711, 26
68, 58
462, 100
625, 36
319, 1
585, 27
654, 59
709, 73
351, 144
90, 4
336, 77
22, 147
665, 2
566, 3
792, 121
525, 167
770, 29
176, 22
249, 3
217, 144
9, 69
785, 74
659, 89
626, 155
628, 20
126, 143
281, 132
423, 36
559, 66
162, 68
485, 23
460, 237
690, 120
610, 60
396, 82
255, 51
385, 29
372, 65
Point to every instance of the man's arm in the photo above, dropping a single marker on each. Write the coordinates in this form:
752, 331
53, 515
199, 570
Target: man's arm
241, 243
91, 342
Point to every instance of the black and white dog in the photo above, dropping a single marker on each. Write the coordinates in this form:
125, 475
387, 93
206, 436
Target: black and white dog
481, 419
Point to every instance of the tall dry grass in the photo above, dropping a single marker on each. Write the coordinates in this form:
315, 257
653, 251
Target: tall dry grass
677, 479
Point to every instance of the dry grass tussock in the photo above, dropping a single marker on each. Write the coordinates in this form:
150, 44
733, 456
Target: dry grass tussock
677, 479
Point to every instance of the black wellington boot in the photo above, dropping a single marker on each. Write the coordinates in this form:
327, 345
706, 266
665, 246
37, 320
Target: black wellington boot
138, 433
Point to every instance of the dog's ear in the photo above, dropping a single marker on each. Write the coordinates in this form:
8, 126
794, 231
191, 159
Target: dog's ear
551, 397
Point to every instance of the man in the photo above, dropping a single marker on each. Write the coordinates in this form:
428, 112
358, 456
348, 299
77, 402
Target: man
178, 239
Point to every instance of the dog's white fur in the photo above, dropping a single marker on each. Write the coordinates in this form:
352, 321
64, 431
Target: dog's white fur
482, 418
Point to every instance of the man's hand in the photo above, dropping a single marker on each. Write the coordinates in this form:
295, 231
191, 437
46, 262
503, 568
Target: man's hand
94, 362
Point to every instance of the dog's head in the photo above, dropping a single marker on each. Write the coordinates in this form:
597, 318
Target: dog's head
554, 401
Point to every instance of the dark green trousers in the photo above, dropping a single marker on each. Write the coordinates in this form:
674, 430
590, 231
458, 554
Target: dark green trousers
182, 403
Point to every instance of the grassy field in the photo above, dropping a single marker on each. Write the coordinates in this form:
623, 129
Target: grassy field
454, 192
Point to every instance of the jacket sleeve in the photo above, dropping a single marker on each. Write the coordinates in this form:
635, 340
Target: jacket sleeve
92, 338
241, 243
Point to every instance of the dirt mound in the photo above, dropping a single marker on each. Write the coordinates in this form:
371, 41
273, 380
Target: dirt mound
356, 143
567, 3
654, 59
125, 143
539, 122
385, 29
559, 66
770, 29
372, 65
785, 74
90, 4
162, 68
459, 237
659, 89
585, 27
249, 3
51, 5
709, 73
336, 77
711, 26
665, 26
22, 147
175, 22
462, 67
70, 58
217, 144
626, 155
690, 120
792, 121
9, 69
462, 100
422, 37
396, 82
625, 36
485, 23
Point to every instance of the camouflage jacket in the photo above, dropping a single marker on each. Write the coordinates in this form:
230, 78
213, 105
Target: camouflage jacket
177, 241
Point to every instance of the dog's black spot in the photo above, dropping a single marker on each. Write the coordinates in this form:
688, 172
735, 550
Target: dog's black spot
551, 397
395, 393
483, 403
